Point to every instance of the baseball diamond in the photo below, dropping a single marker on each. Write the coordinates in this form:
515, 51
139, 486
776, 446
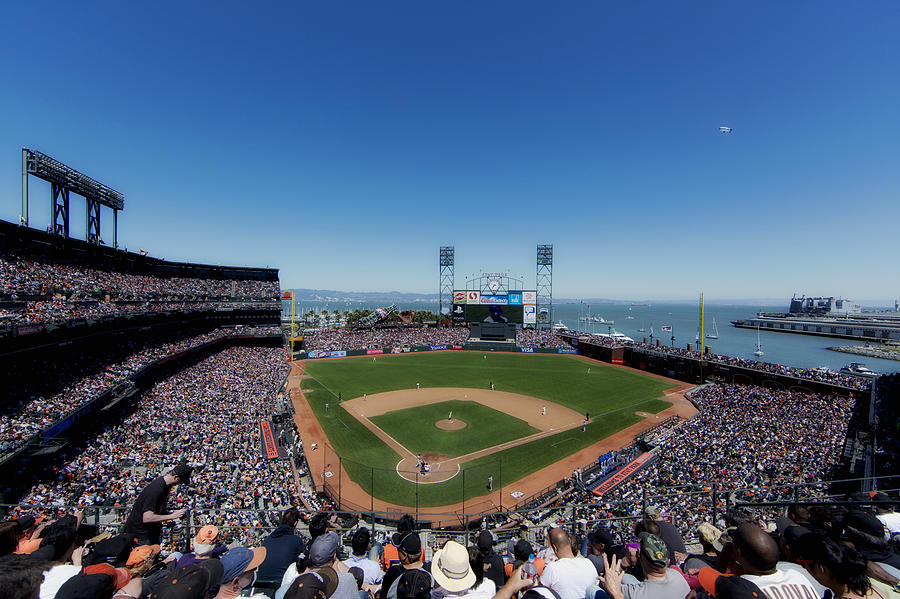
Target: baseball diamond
532, 421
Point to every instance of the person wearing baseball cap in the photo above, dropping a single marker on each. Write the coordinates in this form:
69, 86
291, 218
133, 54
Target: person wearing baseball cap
600, 542
239, 566
149, 511
194, 581
726, 586
312, 585
322, 559
409, 549
710, 541
493, 563
522, 550
204, 546
659, 581
99, 581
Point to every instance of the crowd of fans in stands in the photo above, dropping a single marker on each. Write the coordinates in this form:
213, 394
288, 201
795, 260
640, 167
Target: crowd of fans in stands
758, 440
39, 392
48, 290
363, 338
822, 375
540, 338
208, 414
814, 552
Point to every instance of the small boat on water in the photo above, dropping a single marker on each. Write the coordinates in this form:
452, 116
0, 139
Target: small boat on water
559, 327
759, 351
615, 335
715, 333
857, 369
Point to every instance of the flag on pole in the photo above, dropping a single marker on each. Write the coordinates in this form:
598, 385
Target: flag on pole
666, 327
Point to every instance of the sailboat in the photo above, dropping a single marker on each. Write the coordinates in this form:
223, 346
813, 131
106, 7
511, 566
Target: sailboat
715, 333
759, 351
651, 331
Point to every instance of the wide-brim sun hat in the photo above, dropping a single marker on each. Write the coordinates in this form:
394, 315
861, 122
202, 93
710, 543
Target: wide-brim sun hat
450, 568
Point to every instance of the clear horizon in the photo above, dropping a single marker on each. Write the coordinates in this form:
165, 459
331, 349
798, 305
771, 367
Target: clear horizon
345, 144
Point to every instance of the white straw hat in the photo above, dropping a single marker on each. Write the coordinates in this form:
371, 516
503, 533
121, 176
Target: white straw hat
451, 568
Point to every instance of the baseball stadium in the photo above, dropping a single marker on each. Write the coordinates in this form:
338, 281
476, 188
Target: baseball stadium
127, 375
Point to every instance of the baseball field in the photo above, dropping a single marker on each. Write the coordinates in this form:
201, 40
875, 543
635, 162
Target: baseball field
382, 414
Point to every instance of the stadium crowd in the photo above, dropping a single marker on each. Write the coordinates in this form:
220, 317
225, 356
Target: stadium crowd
822, 375
810, 553
42, 289
40, 391
207, 415
540, 338
332, 339
756, 440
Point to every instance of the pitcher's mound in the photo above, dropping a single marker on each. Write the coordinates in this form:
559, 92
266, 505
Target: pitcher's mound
450, 425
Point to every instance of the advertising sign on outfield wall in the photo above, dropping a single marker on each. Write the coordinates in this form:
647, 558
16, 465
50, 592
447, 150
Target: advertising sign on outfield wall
526, 350
529, 298
459, 297
327, 354
374, 352
457, 347
438, 347
567, 350
530, 315
497, 300
473, 297
515, 298
458, 314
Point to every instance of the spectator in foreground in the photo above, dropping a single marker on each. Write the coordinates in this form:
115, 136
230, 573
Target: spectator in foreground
840, 568
452, 572
754, 555
283, 545
493, 563
149, 510
660, 581
570, 575
409, 548
239, 566
360, 544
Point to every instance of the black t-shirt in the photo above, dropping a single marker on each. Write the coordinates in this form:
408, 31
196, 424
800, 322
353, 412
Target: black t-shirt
670, 535
152, 499
494, 569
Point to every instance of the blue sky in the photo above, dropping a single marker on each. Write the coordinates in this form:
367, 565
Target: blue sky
345, 142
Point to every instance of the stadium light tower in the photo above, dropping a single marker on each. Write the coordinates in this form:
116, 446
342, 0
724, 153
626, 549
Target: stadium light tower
64, 179
447, 278
544, 285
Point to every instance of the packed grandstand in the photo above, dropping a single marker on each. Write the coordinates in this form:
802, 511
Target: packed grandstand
92, 419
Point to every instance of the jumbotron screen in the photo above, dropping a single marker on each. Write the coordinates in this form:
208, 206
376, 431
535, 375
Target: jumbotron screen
481, 313
516, 307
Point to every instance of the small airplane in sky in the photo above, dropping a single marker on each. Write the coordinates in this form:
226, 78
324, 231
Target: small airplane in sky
724, 129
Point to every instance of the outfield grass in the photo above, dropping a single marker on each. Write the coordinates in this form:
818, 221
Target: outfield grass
415, 428
611, 395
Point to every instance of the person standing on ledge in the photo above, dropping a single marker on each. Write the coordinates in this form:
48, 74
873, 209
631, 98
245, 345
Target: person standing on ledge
149, 510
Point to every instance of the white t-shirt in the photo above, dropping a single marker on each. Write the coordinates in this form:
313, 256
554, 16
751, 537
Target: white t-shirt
55, 577
570, 577
372, 573
891, 521
786, 583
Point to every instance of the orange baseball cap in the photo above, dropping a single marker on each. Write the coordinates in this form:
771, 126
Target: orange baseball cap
141, 554
120, 576
207, 535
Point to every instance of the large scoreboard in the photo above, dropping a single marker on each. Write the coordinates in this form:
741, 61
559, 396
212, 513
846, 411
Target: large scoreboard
517, 307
